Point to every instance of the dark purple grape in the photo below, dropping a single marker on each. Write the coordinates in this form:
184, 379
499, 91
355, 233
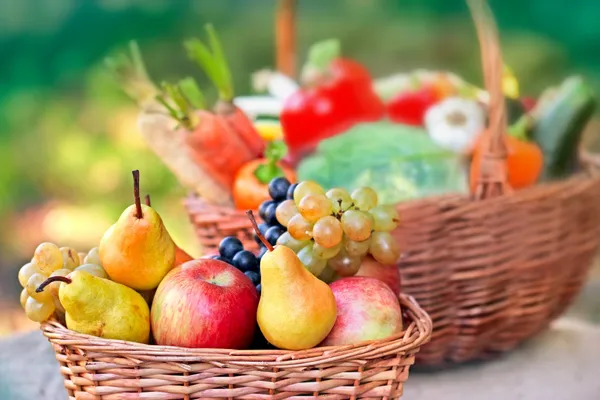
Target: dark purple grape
259, 288
245, 261
290, 191
254, 276
262, 209
270, 214
278, 188
229, 247
273, 234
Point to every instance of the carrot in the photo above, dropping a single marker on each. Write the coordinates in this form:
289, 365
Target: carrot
242, 126
216, 148
213, 62
157, 128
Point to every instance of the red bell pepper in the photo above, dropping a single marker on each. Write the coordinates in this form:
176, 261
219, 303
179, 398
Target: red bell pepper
337, 93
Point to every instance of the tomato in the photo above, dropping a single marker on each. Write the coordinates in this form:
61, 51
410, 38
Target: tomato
410, 107
248, 192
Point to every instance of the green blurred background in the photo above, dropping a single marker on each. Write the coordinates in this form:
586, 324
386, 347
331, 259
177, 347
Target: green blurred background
68, 137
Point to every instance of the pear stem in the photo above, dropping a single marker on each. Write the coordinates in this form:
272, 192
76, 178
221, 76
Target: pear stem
148, 200
136, 194
260, 235
52, 279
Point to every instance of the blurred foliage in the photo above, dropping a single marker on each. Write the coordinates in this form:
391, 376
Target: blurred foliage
68, 138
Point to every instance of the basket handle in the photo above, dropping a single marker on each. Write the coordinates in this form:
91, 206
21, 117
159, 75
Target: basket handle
492, 179
285, 37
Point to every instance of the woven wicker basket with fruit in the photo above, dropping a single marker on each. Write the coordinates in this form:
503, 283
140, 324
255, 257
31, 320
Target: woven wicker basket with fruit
137, 316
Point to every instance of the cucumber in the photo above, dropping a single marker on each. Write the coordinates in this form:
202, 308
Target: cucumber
514, 109
559, 120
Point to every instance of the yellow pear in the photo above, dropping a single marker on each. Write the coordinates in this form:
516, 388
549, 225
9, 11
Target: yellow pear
137, 250
296, 310
99, 307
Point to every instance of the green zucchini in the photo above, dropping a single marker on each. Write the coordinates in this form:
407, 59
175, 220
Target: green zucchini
559, 121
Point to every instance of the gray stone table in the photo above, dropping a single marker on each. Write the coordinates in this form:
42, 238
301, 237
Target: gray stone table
562, 364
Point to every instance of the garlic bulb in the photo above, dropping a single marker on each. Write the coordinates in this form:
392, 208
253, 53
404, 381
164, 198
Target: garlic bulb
455, 122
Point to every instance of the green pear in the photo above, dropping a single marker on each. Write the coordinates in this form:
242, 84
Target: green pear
100, 307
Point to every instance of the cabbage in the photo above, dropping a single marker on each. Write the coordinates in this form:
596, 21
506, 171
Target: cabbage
399, 162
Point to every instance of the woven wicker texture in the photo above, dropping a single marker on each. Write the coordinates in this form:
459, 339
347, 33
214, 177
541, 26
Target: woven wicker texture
494, 273
101, 369
213, 222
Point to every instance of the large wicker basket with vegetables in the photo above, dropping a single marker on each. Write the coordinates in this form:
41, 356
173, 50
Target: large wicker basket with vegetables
499, 204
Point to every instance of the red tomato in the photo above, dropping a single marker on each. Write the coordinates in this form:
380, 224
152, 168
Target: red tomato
410, 107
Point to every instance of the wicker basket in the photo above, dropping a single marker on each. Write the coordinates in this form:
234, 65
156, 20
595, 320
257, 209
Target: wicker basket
213, 222
494, 270
112, 369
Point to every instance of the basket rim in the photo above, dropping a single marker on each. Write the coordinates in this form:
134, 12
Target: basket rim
416, 333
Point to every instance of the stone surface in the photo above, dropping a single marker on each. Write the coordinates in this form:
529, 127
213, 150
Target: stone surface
561, 364
28, 369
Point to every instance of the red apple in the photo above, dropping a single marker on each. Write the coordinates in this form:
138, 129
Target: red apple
367, 310
388, 274
205, 303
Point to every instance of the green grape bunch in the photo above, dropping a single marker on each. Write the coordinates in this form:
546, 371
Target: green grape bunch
335, 229
50, 260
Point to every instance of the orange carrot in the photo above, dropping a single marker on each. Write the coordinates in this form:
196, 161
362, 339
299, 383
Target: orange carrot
216, 148
242, 126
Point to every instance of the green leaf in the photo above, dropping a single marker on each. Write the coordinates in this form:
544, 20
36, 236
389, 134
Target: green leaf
221, 60
136, 58
189, 88
321, 54
198, 52
212, 61
265, 173
175, 94
274, 152
174, 112
130, 72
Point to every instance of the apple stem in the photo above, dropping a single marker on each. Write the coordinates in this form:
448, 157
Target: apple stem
260, 235
136, 194
148, 200
50, 280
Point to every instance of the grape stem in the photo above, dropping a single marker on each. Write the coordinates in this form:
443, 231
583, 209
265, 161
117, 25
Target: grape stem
148, 200
136, 194
260, 235
50, 280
